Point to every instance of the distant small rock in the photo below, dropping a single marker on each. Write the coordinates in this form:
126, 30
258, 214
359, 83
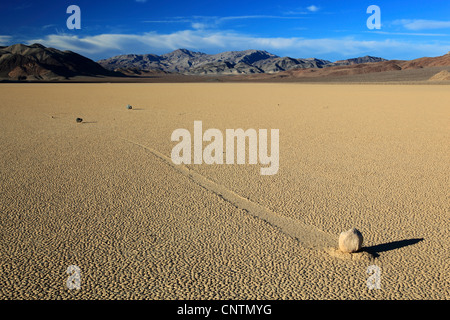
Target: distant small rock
79, 120
350, 241
129, 107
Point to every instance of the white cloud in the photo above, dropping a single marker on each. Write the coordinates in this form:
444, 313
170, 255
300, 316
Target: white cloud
199, 26
169, 21
422, 24
313, 8
210, 21
4, 40
107, 45
410, 34
256, 17
302, 10
47, 26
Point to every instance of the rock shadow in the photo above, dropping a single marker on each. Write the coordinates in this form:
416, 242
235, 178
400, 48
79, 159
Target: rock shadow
375, 250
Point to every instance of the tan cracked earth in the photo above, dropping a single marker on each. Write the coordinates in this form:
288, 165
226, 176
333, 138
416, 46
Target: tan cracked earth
103, 194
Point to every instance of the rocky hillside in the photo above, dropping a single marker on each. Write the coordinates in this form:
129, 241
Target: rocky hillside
353, 61
277, 64
189, 62
230, 62
36, 62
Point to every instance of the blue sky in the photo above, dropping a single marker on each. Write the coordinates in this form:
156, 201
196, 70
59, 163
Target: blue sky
329, 30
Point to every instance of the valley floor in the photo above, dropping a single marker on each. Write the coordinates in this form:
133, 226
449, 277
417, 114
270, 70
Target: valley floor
103, 196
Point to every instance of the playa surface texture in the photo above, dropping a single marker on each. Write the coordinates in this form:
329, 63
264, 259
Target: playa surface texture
104, 196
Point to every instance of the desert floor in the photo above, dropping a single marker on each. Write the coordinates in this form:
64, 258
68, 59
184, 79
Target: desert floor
103, 194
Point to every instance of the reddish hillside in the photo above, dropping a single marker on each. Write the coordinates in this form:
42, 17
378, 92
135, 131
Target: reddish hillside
427, 62
366, 68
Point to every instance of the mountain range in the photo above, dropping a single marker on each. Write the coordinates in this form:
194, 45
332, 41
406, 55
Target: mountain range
36, 63
231, 62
